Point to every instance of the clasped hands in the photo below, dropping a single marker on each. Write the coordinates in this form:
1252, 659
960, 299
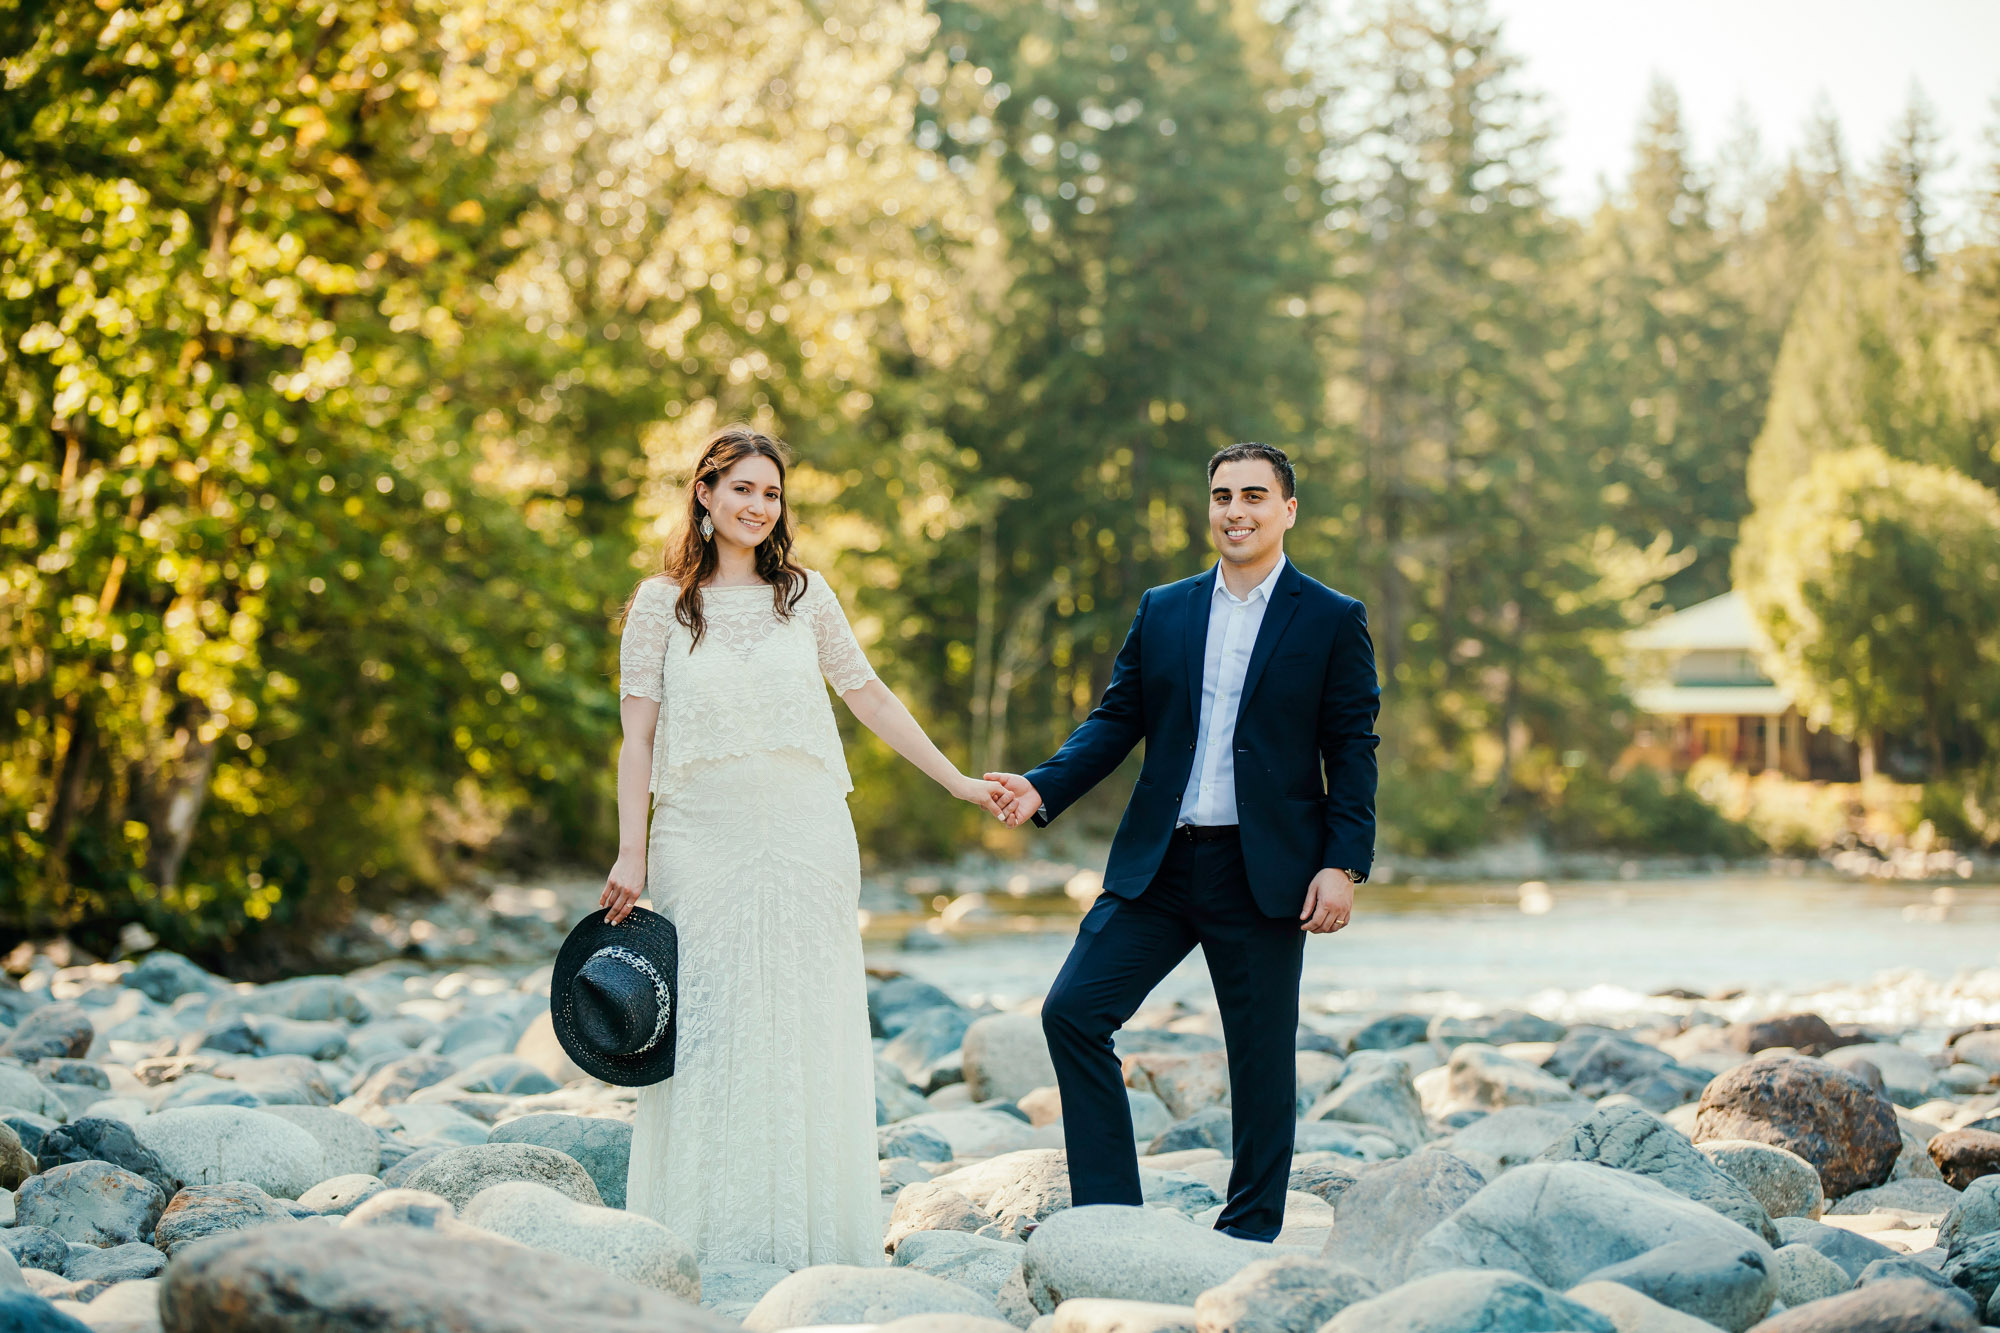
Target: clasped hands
1329, 898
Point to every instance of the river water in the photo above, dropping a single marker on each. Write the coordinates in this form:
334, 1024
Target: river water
1921, 958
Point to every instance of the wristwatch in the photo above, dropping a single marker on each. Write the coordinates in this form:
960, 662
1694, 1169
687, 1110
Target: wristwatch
1355, 876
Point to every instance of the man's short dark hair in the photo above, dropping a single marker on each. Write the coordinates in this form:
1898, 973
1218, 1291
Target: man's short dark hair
1251, 450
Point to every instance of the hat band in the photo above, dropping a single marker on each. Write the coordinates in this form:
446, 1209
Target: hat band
664, 1009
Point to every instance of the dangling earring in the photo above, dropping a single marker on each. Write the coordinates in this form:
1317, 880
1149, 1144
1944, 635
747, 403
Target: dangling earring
707, 527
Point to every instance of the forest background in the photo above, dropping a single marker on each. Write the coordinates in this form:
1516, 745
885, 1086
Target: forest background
351, 351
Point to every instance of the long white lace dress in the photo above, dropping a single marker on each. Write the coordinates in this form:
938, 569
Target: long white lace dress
761, 1147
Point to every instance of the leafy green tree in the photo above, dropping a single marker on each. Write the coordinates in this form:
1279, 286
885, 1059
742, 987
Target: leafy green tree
1878, 583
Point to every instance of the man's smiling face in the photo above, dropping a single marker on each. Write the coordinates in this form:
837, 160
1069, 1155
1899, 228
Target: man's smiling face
1248, 513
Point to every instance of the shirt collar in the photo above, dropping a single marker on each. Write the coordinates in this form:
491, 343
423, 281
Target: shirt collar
1263, 589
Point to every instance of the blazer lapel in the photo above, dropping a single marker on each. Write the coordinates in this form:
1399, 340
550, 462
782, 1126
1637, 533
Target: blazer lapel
1196, 635
1284, 605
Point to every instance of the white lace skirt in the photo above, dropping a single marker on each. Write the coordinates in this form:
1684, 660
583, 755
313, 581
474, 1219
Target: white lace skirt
761, 1147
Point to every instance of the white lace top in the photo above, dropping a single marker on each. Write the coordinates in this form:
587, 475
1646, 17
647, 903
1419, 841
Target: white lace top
752, 685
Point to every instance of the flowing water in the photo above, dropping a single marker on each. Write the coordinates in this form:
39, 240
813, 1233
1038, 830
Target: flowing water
1919, 957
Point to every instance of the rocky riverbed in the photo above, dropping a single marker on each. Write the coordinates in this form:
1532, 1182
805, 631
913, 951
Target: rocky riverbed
406, 1148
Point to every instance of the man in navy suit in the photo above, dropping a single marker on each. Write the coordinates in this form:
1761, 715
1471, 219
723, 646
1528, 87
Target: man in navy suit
1254, 690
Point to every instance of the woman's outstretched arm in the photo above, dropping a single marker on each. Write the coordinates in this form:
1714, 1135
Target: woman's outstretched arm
879, 710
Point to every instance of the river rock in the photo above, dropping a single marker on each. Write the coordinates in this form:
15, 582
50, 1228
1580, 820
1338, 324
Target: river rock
341, 1195
1906, 1075
1209, 1127
458, 1174
1976, 1214
1287, 1293
396, 1080
1479, 1077
398, 1280
1469, 1302
200, 1211
1807, 1033
1390, 1031
36, 1247
1728, 1286
1383, 1096
1558, 1222
1378, 1221
1598, 1062
1186, 1081
1144, 1254
1803, 1274
402, 1208
22, 1091
1975, 1267
24, 1312
1016, 1190
1499, 1141
502, 1074
1634, 1312
932, 1206
1320, 1176
91, 1203
980, 1264
398, 1173
1005, 1055
1784, 1183
911, 1141
1906, 1306
131, 1262
603, 1146
314, 1040
1641, 1143
1852, 1252
54, 1030
1908, 1196
1099, 1315
1965, 1155
348, 1145
896, 1003
539, 1047
847, 1294
16, 1162
635, 1248
927, 1052
1825, 1115
165, 976
207, 1145
975, 1132
1495, 1029
104, 1139
31, 1129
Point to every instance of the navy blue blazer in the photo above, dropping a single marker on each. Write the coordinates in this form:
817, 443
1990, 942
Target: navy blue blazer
1305, 739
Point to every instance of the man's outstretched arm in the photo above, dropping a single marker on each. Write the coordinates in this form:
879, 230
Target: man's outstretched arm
1093, 750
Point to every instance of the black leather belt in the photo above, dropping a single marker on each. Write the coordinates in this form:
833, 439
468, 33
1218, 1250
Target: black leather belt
1204, 832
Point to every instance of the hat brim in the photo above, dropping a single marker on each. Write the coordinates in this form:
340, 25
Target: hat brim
646, 933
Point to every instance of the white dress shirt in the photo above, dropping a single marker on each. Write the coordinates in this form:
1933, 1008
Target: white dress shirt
1233, 623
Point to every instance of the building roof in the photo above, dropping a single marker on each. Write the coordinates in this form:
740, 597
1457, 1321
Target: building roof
1712, 700
1721, 622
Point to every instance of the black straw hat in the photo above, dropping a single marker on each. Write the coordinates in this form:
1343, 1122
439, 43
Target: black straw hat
614, 997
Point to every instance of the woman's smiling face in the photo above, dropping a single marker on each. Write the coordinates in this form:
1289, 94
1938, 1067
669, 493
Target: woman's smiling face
745, 502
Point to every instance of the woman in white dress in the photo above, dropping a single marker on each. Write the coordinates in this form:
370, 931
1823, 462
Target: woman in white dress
761, 1147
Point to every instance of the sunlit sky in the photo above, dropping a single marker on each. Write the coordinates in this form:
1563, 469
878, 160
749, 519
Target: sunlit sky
1594, 60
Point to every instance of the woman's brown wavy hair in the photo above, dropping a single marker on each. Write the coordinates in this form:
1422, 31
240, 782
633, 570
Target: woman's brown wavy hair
691, 561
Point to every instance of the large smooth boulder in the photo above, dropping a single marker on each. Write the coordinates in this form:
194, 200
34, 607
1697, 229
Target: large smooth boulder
1391, 1206
977, 1263
896, 1003
1803, 1274
54, 1031
1909, 1196
929, 1206
927, 1052
1976, 1214
1005, 1055
1826, 1115
1016, 1190
1908, 1305
1382, 1096
401, 1280
349, 1146
130, 1262
1499, 1141
1287, 1293
91, 1203
1559, 1222
36, 1247
104, 1139
201, 1211
1728, 1286
1784, 1183
458, 1174
1907, 1075
1469, 1302
1187, 1081
603, 1146
1479, 1077
1637, 1141
848, 1294
1125, 1253
635, 1248
207, 1145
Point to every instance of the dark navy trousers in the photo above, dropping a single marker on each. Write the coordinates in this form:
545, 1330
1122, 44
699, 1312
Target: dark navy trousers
1200, 896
